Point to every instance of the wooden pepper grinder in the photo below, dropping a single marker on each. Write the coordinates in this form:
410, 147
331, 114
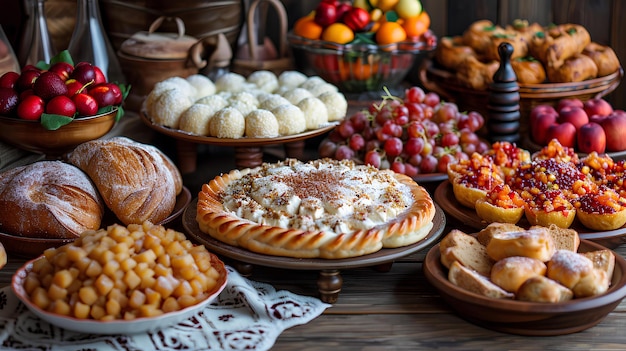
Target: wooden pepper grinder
503, 104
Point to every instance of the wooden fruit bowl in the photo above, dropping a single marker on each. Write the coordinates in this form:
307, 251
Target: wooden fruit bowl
528, 318
32, 136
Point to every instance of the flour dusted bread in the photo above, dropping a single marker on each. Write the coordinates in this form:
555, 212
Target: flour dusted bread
137, 181
511, 272
48, 199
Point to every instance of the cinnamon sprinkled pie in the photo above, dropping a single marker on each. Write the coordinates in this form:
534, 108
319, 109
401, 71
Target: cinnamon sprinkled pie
319, 209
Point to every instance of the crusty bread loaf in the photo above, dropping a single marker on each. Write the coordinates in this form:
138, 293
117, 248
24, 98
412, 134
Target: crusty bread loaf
511, 272
543, 289
465, 248
48, 199
564, 238
475, 282
536, 243
137, 181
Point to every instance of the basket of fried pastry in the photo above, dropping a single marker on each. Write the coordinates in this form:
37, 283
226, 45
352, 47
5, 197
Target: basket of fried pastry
538, 264
552, 186
549, 62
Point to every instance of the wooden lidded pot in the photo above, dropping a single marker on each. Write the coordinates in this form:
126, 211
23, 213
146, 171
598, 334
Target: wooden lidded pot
150, 57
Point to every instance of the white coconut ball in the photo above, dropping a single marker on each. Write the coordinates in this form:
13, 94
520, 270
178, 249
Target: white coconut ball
169, 106
203, 85
315, 112
195, 119
261, 124
180, 83
217, 102
264, 80
296, 95
291, 79
290, 119
311, 82
231, 81
319, 89
273, 101
227, 123
336, 105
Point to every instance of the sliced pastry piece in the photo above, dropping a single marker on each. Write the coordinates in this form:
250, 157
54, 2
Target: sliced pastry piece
473, 281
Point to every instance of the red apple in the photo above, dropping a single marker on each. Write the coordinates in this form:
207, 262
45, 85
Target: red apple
569, 102
615, 130
539, 127
597, 106
597, 119
565, 133
539, 109
574, 115
591, 137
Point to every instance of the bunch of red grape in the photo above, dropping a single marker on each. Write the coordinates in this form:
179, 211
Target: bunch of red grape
419, 134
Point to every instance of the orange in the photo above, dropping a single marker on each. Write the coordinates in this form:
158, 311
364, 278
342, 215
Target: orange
338, 33
417, 25
386, 5
307, 27
389, 33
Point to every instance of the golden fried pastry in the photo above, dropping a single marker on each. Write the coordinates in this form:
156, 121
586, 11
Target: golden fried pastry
479, 35
524, 28
517, 41
576, 68
476, 74
604, 57
556, 44
528, 70
451, 51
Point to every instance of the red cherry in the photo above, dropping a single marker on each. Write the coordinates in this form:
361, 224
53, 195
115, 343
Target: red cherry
86, 105
63, 69
117, 92
73, 87
31, 108
8, 79
61, 105
103, 94
100, 77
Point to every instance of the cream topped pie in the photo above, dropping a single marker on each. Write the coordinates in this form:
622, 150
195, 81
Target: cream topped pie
322, 208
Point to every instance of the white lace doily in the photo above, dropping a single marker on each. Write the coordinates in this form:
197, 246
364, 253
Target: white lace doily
247, 315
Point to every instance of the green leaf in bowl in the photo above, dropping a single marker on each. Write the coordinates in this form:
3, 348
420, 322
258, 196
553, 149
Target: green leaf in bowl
54, 122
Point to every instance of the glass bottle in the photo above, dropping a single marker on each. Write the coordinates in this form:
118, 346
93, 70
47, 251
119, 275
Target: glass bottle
90, 43
36, 44
8, 60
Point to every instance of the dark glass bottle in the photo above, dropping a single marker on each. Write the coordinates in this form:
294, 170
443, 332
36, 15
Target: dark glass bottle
36, 44
90, 43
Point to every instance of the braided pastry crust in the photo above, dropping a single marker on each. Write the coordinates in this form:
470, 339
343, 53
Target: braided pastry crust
321, 209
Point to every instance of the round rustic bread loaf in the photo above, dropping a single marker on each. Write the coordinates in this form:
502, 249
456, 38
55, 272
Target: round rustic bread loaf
48, 199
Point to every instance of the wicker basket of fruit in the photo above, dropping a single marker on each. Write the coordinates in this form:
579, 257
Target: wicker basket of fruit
463, 66
52, 107
360, 47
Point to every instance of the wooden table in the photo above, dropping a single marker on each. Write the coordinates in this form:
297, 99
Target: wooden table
399, 310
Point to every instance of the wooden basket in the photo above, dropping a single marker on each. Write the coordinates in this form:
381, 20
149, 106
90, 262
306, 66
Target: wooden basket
450, 89
254, 57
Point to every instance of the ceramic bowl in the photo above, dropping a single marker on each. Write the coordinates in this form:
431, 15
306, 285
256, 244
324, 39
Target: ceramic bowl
118, 326
32, 136
528, 318
356, 68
